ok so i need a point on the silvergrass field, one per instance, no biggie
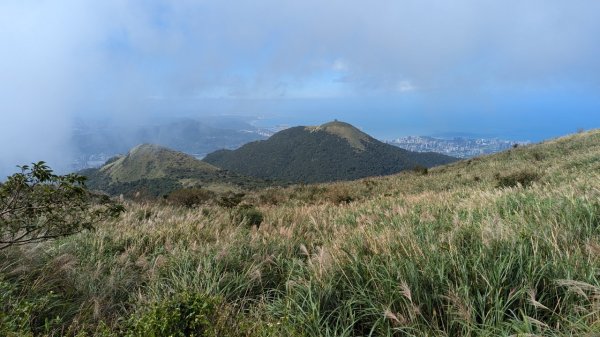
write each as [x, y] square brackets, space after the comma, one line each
[500, 245]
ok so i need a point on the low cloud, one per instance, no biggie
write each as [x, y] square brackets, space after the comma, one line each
[75, 58]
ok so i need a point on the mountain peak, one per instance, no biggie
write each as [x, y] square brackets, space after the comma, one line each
[151, 161]
[329, 152]
[147, 148]
[154, 170]
[354, 136]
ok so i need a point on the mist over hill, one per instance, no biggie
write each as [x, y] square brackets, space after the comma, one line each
[95, 142]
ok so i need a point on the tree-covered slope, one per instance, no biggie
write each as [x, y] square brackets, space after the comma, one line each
[330, 152]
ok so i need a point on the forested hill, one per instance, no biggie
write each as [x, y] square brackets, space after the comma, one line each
[330, 152]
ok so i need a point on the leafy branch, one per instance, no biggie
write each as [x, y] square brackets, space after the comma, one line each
[38, 205]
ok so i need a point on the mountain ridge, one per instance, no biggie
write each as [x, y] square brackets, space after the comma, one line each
[155, 170]
[145, 156]
[333, 151]
[347, 131]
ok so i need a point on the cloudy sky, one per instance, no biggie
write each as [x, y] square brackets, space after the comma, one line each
[512, 68]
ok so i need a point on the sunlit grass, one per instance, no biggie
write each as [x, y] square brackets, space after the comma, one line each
[450, 253]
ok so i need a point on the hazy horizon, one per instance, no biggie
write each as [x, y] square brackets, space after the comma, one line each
[515, 70]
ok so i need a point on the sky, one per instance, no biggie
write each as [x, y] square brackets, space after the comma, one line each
[514, 69]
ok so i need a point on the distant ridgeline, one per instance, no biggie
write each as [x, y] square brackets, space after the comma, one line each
[330, 152]
[95, 145]
[152, 171]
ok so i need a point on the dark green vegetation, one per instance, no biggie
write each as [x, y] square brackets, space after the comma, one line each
[330, 152]
[503, 245]
[149, 171]
[334, 151]
[37, 205]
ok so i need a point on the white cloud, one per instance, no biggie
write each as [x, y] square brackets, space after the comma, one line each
[339, 65]
[58, 55]
[405, 86]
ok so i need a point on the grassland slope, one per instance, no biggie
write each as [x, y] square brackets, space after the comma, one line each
[151, 162]
[502, 245]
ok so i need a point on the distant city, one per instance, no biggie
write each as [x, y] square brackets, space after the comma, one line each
[457, 147]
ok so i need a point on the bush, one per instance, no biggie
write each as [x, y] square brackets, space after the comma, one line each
[271, 196]
[248, 215]
[524, 178]
[230, 200]
[308, 193]
[25, 316]
[190, 197]
[37, 205]
[339, 195]
[420, 169]
[538, 156]
[183, 315]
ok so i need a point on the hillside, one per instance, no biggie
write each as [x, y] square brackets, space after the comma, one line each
[501, 245]
[154, 170]
[330, 152]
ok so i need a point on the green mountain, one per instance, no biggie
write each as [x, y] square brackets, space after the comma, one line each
[330, 152]
[153, 170]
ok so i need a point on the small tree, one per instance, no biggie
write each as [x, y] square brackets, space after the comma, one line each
[37, 205]
[420, 169]
[230, 200]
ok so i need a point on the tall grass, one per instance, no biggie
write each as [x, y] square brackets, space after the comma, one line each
[450, 253]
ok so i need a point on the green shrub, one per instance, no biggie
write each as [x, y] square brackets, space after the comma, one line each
[37, 205]
[524, 178]
[248, 215]
[230, 200]
[185, 315]
[420, 169]
[21, 316]
[190, 197]
[538, 156]
[308, 193]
